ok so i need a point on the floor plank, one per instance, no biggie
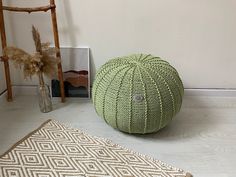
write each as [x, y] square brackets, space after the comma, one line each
[201, 139]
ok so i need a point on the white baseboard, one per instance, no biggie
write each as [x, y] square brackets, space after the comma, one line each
[32, 90]
[211, 92]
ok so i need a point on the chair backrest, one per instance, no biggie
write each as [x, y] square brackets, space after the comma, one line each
[4, 58]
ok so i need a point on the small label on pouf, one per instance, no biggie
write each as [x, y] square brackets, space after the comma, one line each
[138, 98]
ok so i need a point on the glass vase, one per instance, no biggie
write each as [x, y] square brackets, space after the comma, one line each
[44, 98]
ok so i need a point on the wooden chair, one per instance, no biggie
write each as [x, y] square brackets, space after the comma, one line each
[4, 58]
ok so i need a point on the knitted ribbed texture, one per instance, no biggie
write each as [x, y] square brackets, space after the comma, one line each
[137, 93]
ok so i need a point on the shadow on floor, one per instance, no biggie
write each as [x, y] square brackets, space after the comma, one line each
[188, 123]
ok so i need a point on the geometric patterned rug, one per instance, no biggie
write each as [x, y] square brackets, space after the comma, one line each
[55, 150]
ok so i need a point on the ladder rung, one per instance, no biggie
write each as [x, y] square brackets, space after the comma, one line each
[29, 10]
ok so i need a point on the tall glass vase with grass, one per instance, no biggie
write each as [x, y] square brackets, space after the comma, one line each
[42, 63]
[44, 96]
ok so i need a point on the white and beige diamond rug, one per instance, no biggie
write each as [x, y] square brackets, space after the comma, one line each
[55, 150]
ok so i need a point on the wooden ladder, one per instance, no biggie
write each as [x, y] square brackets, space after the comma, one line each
[4, 58]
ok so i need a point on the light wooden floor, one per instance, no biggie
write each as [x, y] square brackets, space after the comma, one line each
[201, 140]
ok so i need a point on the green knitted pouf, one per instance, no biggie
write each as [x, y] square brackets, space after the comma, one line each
[137, 93]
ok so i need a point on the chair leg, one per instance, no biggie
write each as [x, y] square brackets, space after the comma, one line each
[57, 44]
[8, 80]
[5, 58]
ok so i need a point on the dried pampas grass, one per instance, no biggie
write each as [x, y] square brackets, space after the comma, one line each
[44, 61]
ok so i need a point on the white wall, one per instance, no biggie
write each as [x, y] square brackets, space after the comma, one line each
[197, 37]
